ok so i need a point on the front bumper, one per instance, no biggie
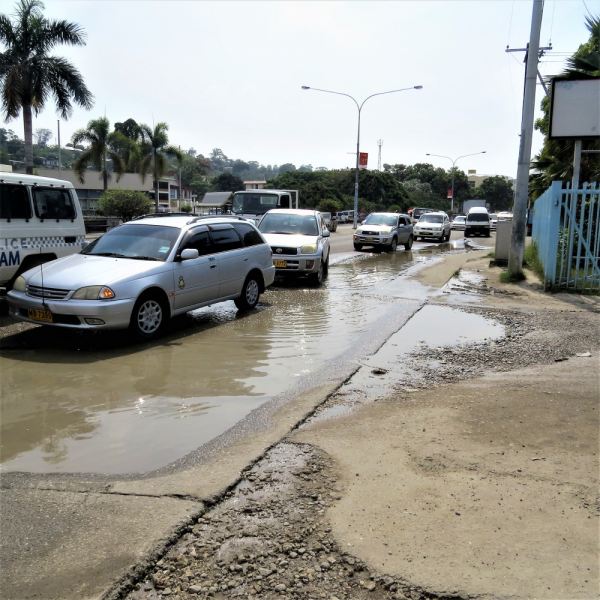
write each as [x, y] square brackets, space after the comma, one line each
[300, 264]
[115, 314]
[435, 234]
[373, 240]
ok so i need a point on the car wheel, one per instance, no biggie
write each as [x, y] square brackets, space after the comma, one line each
[409, 244]
[317, 278]
[326, 268]
[250, 294]
[448, 236]
[394, 244]
[149, 316]
[358, 247]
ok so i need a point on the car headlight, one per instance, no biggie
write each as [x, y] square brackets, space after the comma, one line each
[308, 249]
[386, 231]
[93, 292]
[20, 284]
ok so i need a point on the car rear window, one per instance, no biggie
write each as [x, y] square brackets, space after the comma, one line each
[478, 217]
[250, 236]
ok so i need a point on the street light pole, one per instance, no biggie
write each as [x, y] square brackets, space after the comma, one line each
[453, 164]
[359, 107]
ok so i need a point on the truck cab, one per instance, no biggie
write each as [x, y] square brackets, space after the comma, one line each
[253, 204]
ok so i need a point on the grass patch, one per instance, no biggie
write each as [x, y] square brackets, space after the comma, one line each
[491, 254]
[506, 277]
[533, 262]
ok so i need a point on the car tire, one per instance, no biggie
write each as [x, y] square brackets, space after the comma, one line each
[326, 268]
[316, 279]
[250, 294]
[394, 245]
[358, 247]
[409, 243]
[149, 316]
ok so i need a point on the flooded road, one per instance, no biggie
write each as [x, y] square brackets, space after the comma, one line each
[98, 404]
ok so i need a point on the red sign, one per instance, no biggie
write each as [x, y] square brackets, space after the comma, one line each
[449, 194]
[362, 160]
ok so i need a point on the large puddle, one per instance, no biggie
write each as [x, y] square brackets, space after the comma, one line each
[74, 403]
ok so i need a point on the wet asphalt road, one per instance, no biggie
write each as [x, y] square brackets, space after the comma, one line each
[99, 404]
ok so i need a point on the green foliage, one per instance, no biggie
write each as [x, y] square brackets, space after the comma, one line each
[42, 137]
[125, 204]
[428, 200]
[330, 206]
[394, 208]
[286, 167]
[30, 74]
[186, 208]
[498, 192]
[506, 277]
[533, 261]
[227, 182]
[101, 147]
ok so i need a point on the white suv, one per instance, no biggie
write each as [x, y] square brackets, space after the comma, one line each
[144, 272]
[300, 242]
[433, 226]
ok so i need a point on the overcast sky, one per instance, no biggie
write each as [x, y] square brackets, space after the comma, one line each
[229, 74]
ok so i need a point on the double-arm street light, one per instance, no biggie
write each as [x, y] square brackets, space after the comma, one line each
[305, 87]
[453, 163]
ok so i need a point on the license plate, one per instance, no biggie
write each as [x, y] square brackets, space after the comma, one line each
[36, 314]
[425, 232]
[368, 239]
[280, 264]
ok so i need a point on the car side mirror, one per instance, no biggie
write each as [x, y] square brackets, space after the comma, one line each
[326, 233]
[189, 254]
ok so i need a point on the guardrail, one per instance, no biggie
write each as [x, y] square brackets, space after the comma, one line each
[566, 229]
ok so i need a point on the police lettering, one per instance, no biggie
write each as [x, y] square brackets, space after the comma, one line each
[10, 259]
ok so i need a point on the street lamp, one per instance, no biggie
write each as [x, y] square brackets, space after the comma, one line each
[453, 163]
[359, 107]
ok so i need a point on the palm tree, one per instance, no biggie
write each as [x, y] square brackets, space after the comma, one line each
[155, 150]
[29, 76]
[101, 146]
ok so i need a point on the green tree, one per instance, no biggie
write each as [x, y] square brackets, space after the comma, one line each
[100, 149]
[42, 137]
[130, 129]
[154, 153]
[498, 192]
[125, 204]
[287, 167]
[186, 208]
[29, 75]
[227, 182]
[555, 160]
[330, 206]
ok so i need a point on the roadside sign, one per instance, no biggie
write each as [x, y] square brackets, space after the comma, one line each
[449, 194]
[362, 160]
[472, 171]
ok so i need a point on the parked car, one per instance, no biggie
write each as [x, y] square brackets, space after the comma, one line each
[478, 221]
[493, 221]
[345, 216]
[433, 225]
[385, 231]
[299, 241]
[141, 274]
[505, 216]
[41, 220]
[459, 222]
[330, 221]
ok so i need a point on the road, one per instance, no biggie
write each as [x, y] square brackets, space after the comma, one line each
[96, 430]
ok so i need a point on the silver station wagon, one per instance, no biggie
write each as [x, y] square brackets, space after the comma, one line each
[141, 274]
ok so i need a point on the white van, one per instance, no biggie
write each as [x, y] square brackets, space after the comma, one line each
[40, 220]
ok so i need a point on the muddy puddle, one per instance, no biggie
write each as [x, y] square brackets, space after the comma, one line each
[434, 326]
[99, 404]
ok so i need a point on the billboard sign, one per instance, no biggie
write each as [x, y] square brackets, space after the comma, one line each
[363, 158]
[472, 171]
[449, 194]
[575, 109]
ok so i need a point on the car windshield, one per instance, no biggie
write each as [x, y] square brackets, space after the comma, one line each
[254, 204]
[381, 220]
[478, 217]
[420, 211]
[493, 217]
[459, 220]
[431, 219]
[142, 242]
[289, 224]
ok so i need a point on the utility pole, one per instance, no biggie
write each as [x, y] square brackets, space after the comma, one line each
[59, 159]
[517, 240]
[379, 143]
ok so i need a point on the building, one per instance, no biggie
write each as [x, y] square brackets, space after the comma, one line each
[476, 180]
[214, 203]
[254, 185]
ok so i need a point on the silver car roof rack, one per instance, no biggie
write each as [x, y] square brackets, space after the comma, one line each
[192, 220]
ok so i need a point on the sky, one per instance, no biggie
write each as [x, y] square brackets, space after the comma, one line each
[229, 74]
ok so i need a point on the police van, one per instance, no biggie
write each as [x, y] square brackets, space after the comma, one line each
[40, 220]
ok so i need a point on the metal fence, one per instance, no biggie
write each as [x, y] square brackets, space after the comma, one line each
[566, 229]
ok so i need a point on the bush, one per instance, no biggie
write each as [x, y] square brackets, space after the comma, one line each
[532, 260]
[394, 208]
[329, 206]
[125, 204]
[186, 208]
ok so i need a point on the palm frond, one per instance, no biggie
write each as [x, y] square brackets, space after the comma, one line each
[80, 165]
